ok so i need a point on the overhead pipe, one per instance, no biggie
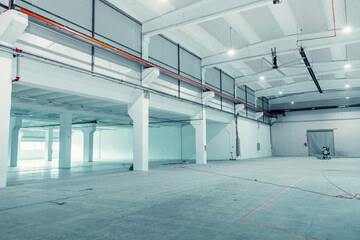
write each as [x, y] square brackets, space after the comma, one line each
[331, 36]
[149, 64]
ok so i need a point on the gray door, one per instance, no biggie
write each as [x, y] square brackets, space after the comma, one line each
[317, 139]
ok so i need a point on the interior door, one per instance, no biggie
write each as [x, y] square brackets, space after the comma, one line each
[317, 139]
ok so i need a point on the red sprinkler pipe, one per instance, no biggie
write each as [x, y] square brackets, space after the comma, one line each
[334, 35]
[135, 58]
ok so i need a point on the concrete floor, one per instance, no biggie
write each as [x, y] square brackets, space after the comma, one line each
[186, 201]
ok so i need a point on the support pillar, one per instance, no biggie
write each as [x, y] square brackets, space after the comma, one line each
[139, 113]
[49, 137]
[145, 47]
[14, 149]
[199, 123]
[88, 134]
[65, 141]
[6, 61]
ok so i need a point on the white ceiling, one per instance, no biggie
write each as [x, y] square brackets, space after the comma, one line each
[203, 27]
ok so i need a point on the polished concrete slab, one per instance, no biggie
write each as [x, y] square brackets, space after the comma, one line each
[246, 199]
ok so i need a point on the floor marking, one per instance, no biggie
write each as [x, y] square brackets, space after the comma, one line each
[282, 230]
[270, 200]
[246, 218]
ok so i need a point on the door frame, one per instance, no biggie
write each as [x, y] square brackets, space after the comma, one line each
[320, 130]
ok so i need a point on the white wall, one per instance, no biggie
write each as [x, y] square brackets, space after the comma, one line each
[251, 133]
[289, 132]
[117, 144]
[220, 144]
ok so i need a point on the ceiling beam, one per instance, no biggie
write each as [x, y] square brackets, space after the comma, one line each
[285, 18]
[309, 87]
[243, 28]
[199, 12]
[315, 96]
[284, 45]
[319, 69]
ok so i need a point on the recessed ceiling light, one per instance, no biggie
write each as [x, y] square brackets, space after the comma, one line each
[347, 85]
[231, 52]
[347, 66]
[262, 78]
[280, 92]
[347, 97]
[347, 29]
[292, 102]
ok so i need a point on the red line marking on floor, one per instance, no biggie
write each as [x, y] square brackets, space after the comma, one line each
[246, 218]
[271, 199]
[282, 230]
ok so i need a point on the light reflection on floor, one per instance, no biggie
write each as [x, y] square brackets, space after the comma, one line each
[40, 170]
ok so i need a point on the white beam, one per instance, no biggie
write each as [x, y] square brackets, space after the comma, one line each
[42, 107]
[149, 75]
[65, 140]
[315, 96]
[207, 96]
[45, 76]
[259, 115]
[285, 18]
[209, 10]
[319, 69]
[243, 28]
[283, 45]
[309, 86]
[239, 108]
[139, 112]
[12, 25]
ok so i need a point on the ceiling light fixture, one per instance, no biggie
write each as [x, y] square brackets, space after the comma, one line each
[231, 50]
[347, 29]
[292, 102]
[262, 78]
[347, 85]
[280, 92]
[347, 97]
[347, 66]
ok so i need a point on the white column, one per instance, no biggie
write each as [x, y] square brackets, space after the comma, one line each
[203, 75]
[65, 141]
[5, 96]
[17, 122]
[199, 123]
[145, 47]
[88, 134]
[231, 129]
[139, 113]
[49, 137]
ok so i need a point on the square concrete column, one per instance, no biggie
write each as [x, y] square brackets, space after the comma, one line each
[145, 47]
[6, 61]
[88, 134]
[49, 138]
[65, 141]
[199, 123]
[14, 143]
[139, 113]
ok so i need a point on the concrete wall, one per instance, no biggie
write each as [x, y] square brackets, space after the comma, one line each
[220, 146]
[218, 142]
[251, 133]
[117, 144]
[289, 132]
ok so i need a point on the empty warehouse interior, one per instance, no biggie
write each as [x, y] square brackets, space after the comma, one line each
[179, 119]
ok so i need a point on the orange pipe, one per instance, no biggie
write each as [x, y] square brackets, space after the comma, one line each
[334, 35]
[136, 58]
